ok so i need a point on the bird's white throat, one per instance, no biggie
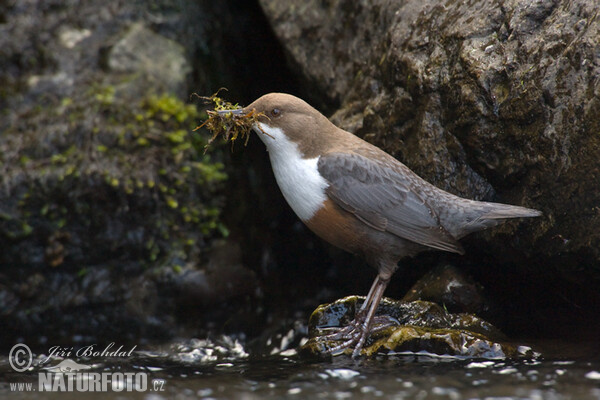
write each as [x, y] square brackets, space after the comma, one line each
[298, 178]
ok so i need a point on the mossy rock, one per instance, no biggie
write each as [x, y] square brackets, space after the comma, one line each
[119, 178]
[102, 196]
[424, 327]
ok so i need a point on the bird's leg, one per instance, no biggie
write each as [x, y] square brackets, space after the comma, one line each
[357, 331]
[373, 300]
[348, 331]
[365, 304]
[382, 321]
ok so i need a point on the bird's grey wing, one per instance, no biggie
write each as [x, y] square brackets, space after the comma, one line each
[385, 198]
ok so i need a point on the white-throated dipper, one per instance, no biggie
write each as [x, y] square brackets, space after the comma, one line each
[361, 199]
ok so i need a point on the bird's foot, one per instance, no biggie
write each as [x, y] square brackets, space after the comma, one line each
[356, 333]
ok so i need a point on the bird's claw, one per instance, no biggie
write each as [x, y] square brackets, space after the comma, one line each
[356, 333]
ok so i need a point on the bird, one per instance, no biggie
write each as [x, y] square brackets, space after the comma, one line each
[361, 199]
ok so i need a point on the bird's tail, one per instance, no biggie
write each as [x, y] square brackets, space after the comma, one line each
[483, 215]
[504, 211]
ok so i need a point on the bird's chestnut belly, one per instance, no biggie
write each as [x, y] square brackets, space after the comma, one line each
[338, 227]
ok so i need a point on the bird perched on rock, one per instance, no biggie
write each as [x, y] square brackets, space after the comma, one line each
[361, 199]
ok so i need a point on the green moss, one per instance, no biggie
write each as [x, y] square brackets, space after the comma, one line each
[210, 172]
[178, 269]
[105, 95]
[171, 202]
[178, 136]
[167, 107]
[23, 160]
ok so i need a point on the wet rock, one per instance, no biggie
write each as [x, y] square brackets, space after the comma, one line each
[448, 286]
[420, 327]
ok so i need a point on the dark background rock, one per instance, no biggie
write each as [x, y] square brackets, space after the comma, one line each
[449, 287]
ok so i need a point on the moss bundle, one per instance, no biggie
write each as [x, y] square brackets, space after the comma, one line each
[228, 120]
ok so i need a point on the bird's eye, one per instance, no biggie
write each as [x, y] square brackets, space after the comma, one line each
[276, 112]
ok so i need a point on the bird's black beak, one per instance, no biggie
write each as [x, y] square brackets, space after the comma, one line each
[239, 111]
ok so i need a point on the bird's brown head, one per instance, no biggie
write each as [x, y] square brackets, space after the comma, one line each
[296, 119]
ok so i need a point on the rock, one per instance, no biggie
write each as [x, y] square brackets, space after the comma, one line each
[156, 61]
[421, 327]
[449, 287]
[104, 189]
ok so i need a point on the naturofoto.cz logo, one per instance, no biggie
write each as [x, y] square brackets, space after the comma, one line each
[70, 376]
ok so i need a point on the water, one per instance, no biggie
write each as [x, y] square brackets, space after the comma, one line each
[203, 369]
[406, 377]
